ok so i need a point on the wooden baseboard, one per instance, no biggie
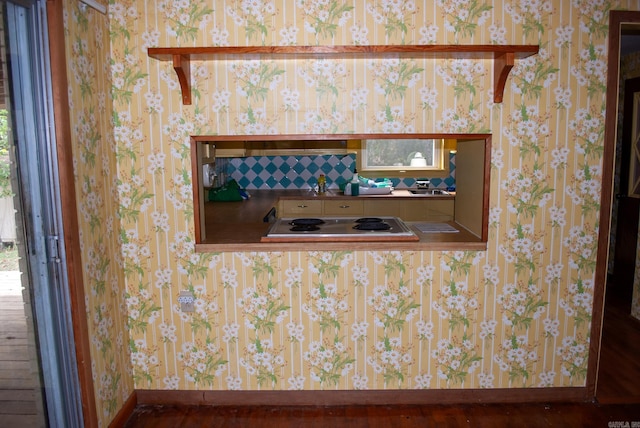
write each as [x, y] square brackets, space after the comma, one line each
[126, 411]
[355, 398]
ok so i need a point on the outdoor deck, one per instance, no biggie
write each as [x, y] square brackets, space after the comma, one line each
[18, 383]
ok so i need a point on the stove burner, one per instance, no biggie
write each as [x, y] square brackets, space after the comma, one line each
[369, 220]
[304, 227]
[373, 225]
[306, 222]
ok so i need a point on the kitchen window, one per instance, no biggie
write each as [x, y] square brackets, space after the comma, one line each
[402, 154]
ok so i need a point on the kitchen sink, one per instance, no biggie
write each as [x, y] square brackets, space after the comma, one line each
[428, 192]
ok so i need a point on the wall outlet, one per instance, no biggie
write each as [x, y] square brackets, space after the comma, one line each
[186, 301]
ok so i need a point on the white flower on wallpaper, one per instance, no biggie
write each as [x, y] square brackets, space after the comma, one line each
[155, 102]
[498, 34]
[396, 16]
[323, 121]
[520, 304]
[564, 36]
[553, 273]
[295, 332]
[183, 19]
[263, 361]
[490, 274]
[460, 120]
[220, 101]
[424, 330]
[156, 162]
[546, 379]
[254, 121]
[293, 277]
[329, 361]
[288, 36]
[168, 76]
[527, 191]
[583, 188]
[233, 383]
[163, 278]
[359, 331]
[290, 99]
[428, 34]
[578, 301]
[201, 365]
[150, 39]
[392, 120]
[528, 130]
[573, 354]
[530, 14]
[591, 69]
[425, 275]
[485, 380]
[559, 157]
[168, 332]
[530, 76]
[516, 356]
[455, 359]
[429, 97]
[171, 382]
[254, 16]
[464, 16]
[323, 17]
[327, 77]
[296, 383]
[487, 329]
[463, 75]
[219, 36]
[551, 327]
[391, 359]
[588, 130]
[359, 35]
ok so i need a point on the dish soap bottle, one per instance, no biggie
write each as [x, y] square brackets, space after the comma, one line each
[355, 183]
[322, 184]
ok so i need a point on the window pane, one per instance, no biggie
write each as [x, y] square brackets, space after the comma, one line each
[398, 153]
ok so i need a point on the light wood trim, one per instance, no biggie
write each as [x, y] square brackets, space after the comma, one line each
[355, 398]
[182, 67]
[198, 197]
[69, 211]
[502, 55]
[616, 19]
[502, 65]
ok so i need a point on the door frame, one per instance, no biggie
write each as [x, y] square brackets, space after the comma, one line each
[68, 208]
[616, 20]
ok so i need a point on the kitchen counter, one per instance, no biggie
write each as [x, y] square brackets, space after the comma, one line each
[335, 194]
[238, 226]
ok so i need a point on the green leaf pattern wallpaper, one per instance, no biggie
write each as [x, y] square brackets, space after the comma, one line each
[514, 316]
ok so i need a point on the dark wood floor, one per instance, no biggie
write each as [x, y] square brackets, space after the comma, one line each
[522, 415]
[619, 371]
[618, 400]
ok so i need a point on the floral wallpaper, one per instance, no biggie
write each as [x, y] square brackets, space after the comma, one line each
[87, 45]
[517, 315]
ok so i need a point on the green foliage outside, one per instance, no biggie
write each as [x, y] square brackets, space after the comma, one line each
[5, 169]
[397, 152]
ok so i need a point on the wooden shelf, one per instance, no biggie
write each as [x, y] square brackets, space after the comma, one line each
[503, 57]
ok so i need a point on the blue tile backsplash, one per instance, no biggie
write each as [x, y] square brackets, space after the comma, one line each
[302, 172]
